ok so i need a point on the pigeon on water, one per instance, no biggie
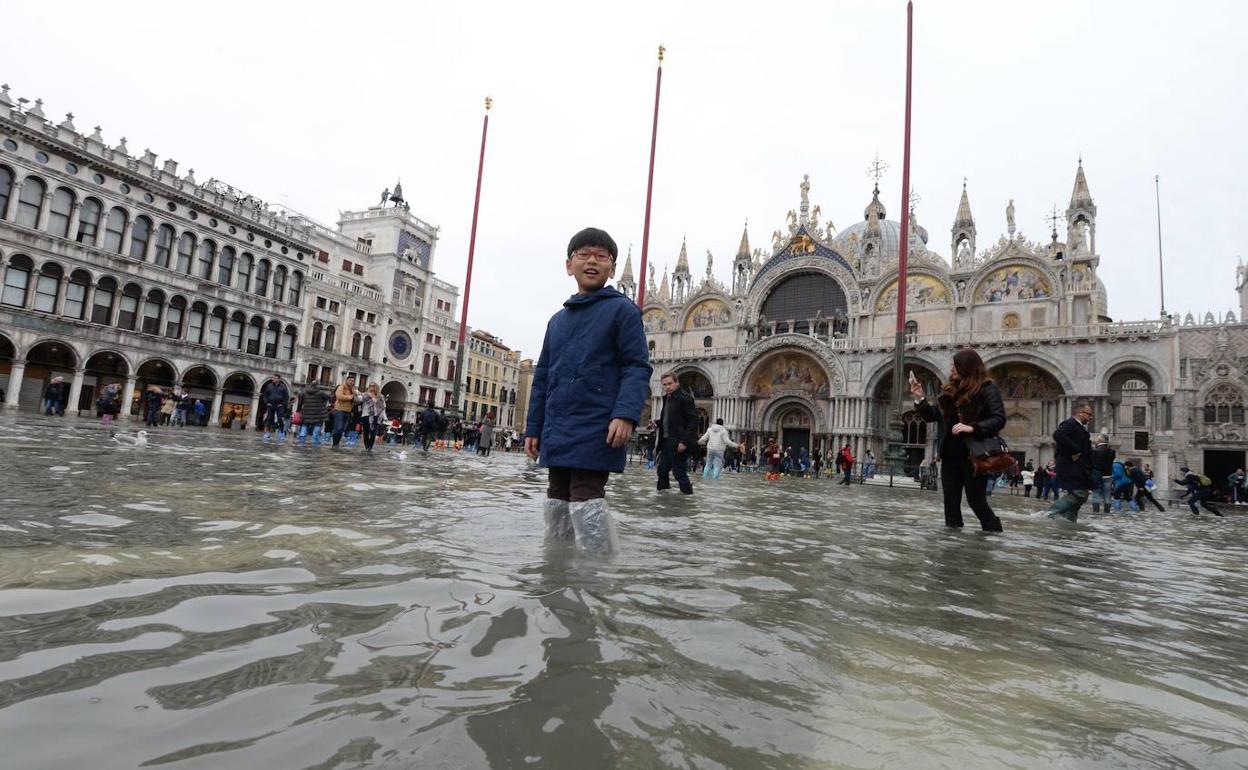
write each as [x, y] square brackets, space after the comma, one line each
[125, 439]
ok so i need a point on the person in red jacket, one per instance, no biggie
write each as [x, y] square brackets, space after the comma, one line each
[846, 463]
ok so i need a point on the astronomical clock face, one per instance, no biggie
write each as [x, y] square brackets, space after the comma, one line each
[400, 344]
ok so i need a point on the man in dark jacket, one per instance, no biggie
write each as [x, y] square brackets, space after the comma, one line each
[429, 425]
[54, 397]
[677, 432]
[1103, 456]
[1073, 450]
[313, 412]
[1142, 492]
[1199, 491]
[276, 398]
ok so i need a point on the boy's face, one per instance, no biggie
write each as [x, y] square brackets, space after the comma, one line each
[591, 267]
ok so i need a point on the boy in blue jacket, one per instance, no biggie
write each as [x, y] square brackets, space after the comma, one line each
[589, 385]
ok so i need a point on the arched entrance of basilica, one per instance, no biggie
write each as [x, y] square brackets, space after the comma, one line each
[789, 393]
[1033, 408]
[795, 425]
[918, 442]
[697, 384]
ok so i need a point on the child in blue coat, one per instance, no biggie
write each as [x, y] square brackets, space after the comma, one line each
[589, 386]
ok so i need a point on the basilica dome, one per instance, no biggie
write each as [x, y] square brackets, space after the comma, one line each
[846, 241]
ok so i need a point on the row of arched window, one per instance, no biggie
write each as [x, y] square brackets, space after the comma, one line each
[325, 337]
[106, 303]
[143, 240]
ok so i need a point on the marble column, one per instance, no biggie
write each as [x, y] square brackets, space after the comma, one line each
[62, 285]
[88, 302]
[214, 416]
[16, 374]
[253, 415]
[45, 207]
[126, 237]
[74, 217]
[75, 392]
[127, 398]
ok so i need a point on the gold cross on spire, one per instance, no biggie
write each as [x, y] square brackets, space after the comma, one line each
[1053, 218]
[877, 169]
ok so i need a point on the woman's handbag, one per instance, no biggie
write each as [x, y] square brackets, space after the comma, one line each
[990, 455]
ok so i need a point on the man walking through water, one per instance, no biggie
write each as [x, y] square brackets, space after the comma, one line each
[1073, 448]
[677, 429]
[716, 440]
[345, 398]
[276, 398]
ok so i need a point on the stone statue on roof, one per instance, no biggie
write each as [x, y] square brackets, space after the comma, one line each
[385, 196]
[1009, 217]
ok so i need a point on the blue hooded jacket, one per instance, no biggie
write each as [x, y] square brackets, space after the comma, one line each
[594, 367]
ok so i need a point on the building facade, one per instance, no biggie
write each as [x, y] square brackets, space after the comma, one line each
[117, 268]
[799, 345]
[491, 380]
[376, 309]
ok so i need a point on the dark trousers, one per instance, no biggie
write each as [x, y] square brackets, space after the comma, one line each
[576, 485]
[673, 462]
[341, 421]
[955, 476]
[369, 426]
[848, 468]
[153, 414]
[1143, 494]
[1201, 497]
[275, 416]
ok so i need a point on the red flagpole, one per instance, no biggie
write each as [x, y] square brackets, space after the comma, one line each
[645, 230]
[904, 248]
[899, 387]
[472, 246]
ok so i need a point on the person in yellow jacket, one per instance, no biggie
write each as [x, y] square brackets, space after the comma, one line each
[345, 398]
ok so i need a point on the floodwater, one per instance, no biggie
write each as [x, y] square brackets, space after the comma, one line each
[212, 602]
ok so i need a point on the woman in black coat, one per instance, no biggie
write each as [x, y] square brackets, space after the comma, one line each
[969, 405]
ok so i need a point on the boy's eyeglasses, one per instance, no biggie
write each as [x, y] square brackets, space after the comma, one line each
[585, 256]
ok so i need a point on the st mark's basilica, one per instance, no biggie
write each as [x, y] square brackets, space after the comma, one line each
[800, 346]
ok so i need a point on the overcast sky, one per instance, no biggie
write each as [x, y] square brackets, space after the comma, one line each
[321, 105]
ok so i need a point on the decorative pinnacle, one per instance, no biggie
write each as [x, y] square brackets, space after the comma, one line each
[488, 103]
[877, 169]
[662, 50]
[1052, 219]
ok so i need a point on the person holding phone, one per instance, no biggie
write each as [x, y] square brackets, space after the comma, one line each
[969, 405]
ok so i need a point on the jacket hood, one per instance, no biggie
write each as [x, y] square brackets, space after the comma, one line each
[606, 292]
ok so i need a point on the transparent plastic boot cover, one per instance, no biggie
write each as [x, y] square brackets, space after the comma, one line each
[558, 523]
[595, 531]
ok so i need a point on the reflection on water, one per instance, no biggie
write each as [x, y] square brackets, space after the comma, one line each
[210, 602]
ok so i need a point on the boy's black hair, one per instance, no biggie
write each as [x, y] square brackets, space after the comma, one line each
[593, 237]
[719, 420]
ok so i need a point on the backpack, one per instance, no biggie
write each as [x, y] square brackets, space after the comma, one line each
[1204, 480]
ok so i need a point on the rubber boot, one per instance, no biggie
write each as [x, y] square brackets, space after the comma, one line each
[558, 523]
[595, 531]
[663, 484]
[1096, 508]
[686, 488]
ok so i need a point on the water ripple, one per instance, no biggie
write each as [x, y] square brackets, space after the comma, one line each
[210, 601]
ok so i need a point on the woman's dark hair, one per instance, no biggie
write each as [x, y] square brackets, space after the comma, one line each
[972, 374]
